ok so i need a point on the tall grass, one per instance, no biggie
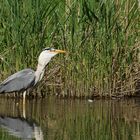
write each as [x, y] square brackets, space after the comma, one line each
[101, 38]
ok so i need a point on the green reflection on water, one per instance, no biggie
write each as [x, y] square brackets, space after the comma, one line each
[58, 119]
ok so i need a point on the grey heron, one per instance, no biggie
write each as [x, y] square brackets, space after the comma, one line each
[26, 78]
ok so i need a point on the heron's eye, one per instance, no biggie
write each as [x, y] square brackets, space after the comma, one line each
[52, 50]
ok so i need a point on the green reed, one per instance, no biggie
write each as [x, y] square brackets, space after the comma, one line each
[101, 38]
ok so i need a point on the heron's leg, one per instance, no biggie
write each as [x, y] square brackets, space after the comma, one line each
[24, 105]
[24, 96]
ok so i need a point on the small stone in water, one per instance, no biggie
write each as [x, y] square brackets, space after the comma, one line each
[89, 100]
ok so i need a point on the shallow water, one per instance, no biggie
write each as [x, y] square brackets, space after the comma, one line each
[59, 119]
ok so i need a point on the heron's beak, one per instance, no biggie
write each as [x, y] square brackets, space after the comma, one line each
[60, 51]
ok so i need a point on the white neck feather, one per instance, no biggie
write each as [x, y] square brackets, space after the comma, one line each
[39, 73]
[43, 60]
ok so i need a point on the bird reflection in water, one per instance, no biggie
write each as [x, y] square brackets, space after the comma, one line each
[21, 128]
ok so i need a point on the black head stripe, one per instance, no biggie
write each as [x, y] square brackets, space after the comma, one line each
[51, 49]
[46, 49]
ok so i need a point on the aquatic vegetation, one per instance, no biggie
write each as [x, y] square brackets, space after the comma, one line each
[57, 119]
[101, 38]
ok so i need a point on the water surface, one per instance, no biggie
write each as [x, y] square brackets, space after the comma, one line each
[61, 119]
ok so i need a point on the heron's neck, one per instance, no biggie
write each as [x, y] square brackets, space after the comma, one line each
[39, 72]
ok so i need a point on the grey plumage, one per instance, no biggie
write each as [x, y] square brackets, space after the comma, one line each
[19, 81]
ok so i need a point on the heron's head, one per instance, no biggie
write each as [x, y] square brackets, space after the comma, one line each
[46, 55]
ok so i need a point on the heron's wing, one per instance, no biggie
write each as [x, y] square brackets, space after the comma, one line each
[18, 81]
